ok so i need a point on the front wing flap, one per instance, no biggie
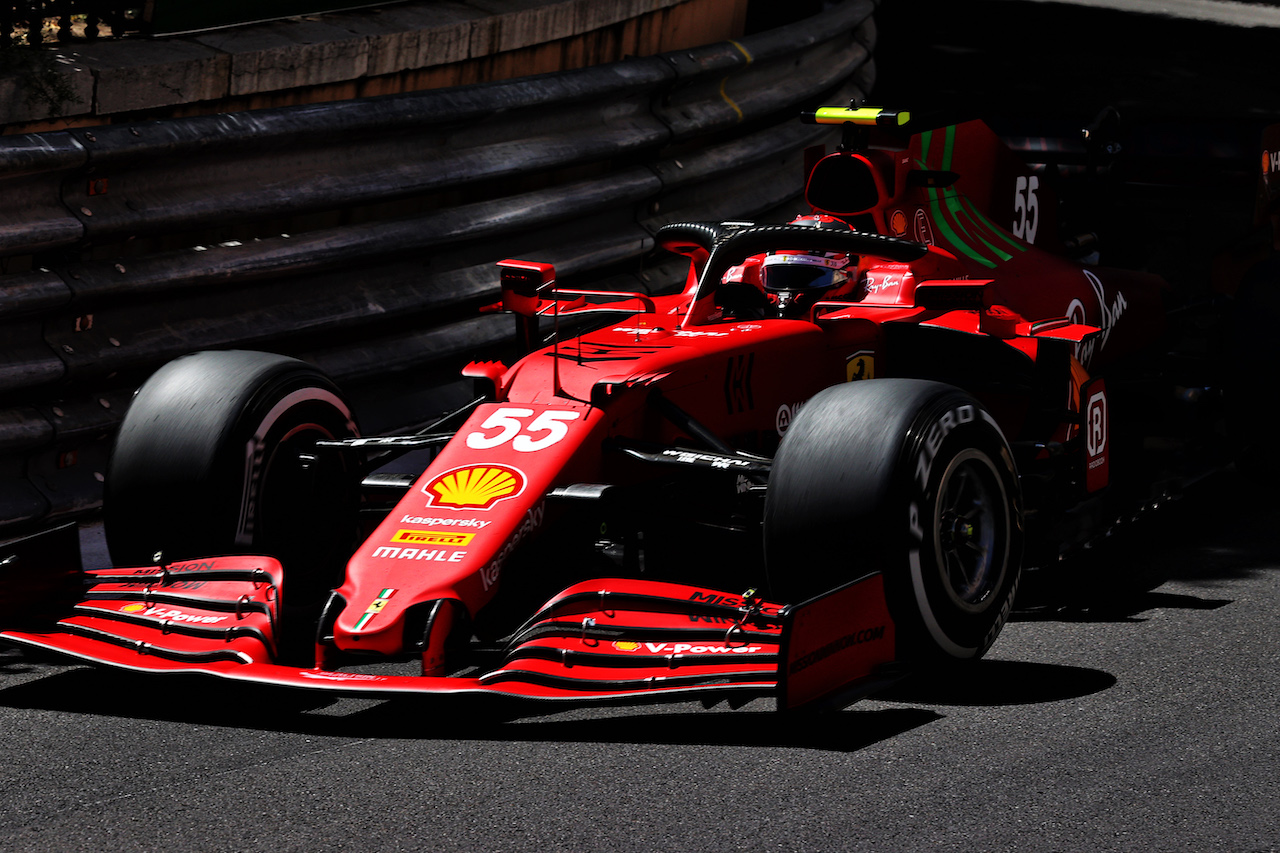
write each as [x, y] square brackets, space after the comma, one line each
[602, 641]
[165, 618]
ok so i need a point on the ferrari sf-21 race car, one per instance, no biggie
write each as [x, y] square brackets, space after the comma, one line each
[823, 462]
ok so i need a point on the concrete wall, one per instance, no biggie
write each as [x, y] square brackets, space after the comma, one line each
[417, 45]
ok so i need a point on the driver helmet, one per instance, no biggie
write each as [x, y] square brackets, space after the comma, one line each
[786, 271]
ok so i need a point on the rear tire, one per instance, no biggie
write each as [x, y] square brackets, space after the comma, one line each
[208, 462]
[912, 478]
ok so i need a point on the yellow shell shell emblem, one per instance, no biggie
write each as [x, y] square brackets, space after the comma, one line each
[475, 486]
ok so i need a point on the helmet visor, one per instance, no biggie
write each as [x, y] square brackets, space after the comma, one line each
[801, 272]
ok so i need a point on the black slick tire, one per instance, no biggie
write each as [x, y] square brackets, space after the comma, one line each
[915, 479]
[211, 459]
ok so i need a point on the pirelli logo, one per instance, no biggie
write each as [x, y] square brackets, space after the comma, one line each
[433, 537]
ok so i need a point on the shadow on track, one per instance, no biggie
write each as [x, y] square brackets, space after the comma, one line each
[1219, 531]
[201, 701]
[1000, 682]
[193, 700]
[845, 731]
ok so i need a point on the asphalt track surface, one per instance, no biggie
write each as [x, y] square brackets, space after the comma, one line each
[1136, 712]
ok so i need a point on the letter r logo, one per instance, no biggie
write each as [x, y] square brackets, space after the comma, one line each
[1096, 424]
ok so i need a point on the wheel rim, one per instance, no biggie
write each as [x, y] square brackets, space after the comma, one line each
[971, 518]
[272, 452]
[297, 514]
[285, 476]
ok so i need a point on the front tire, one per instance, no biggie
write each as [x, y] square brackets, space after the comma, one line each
[210, 460]
[915, 479]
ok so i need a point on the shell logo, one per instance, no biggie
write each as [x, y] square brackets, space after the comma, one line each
[898, 223]
[475, 486]
[626, 646]
[133, 608]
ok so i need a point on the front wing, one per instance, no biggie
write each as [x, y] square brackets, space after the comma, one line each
[612, 640]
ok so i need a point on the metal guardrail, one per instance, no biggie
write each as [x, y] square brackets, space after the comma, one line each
[415, 196]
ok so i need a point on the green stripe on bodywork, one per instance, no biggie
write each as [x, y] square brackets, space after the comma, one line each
[960, 208]
[936, 196]
[940, 220]
[955, 240]
[995, 229]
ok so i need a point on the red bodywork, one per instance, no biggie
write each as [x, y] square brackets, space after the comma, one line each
[989, 275]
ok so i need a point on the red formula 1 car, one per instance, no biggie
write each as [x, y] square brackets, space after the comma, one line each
[827, 458]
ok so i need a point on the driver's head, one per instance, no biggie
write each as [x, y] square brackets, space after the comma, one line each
[804, 272]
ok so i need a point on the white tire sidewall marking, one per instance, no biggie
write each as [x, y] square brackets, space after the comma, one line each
[255, 451]
[923, 606]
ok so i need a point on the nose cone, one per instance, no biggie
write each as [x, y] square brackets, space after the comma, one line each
[373, 622]
[451, 535]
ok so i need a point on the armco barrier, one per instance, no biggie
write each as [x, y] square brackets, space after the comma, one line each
[365, 232]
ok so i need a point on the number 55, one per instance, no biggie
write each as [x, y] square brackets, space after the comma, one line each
[1026, 208]
[511, 427]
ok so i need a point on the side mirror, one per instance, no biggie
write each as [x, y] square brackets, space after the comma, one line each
[846, 184]
[521, 283]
